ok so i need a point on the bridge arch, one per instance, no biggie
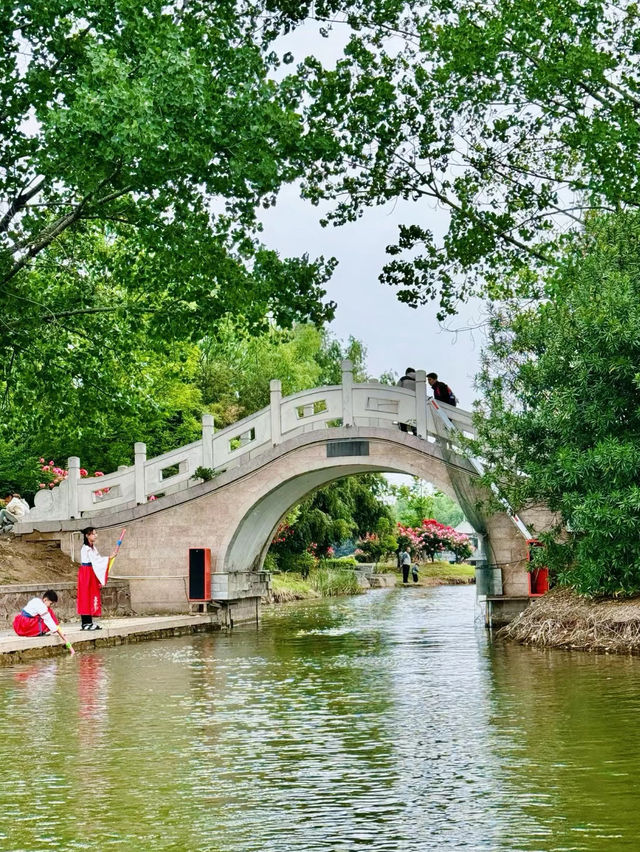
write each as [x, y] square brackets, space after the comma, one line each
[264, 464]
[307, 466]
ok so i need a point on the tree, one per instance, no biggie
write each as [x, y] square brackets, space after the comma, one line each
[561, 420]
[136, 142]
[433, 538]
[345, 509]
[236, 367]
[515, 118]
[413, 506]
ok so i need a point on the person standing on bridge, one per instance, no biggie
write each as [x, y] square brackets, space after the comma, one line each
[441, 391]
[92, 576]
[408, 381]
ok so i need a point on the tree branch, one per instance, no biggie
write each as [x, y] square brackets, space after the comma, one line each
[18, 203]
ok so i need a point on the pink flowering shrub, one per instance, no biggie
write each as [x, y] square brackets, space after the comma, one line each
[283, 532]
[53, 475]
[432, 537]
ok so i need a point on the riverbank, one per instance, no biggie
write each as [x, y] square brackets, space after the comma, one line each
[320, 583]
[563, 619]
[114, 631]
[33, 562]
[291, 586]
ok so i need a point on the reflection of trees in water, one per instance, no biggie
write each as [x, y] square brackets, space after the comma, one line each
[565, 728]
[292, 718]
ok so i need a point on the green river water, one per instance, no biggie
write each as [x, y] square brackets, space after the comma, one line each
[386, 721]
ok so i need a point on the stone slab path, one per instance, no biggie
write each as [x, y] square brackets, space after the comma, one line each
[115, 631]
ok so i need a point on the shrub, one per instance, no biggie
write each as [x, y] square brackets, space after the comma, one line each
[302, 562]
[271, 563]
[205, 473]
[337, 564]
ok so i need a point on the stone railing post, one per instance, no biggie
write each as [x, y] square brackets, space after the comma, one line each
[421, 403]
[207, 440]
[73, 477]
[275, 390]
[347, 393]
[140, 457]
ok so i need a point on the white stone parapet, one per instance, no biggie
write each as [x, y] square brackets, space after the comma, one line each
[368, 404]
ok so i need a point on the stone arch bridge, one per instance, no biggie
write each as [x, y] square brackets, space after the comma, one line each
[263, 465]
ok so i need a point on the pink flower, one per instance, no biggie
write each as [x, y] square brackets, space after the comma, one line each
[52, 462]
[41, 461]
[52, 485]
[46, 468]
[42, 485]
[98, 473]
[83, 472]
[153, 497]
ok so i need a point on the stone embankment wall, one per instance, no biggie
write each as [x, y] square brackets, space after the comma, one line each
[116, 600]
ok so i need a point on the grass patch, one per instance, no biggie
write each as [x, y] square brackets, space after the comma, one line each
[445, 571]
[321, 583]
[432, 573]
[289, 586]
[330, 583]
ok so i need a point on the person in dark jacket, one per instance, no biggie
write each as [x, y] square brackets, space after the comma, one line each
[408, 380]
[441, 391]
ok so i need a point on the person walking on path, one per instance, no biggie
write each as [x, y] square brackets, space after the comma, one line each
[441, 391]
[92, 576]
[38, 619]
[406, 565]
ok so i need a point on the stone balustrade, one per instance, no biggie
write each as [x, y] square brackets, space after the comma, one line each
[349, 404]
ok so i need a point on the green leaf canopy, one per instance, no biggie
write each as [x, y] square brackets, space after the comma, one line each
[502, 122]
[562, 404]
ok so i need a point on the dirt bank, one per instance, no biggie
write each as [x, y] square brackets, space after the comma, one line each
[562, 619]
[23, 562]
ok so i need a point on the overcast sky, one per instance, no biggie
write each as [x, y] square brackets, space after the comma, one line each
[395, 335]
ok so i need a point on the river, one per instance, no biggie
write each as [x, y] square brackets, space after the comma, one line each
[386, 722]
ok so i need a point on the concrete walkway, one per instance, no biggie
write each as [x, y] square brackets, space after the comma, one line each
[115, 631]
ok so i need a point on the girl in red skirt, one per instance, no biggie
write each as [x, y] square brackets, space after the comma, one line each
[92, 576]
[36, 618]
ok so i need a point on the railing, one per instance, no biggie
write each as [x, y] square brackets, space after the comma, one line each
[347, 404]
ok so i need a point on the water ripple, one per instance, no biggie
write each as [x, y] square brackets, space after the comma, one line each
[384, 722]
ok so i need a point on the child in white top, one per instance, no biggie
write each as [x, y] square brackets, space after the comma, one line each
[37, 618]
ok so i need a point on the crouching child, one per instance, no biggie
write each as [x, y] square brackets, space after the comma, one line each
[38, 619]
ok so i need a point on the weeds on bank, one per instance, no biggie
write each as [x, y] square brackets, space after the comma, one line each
[320, 583]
